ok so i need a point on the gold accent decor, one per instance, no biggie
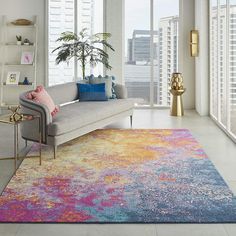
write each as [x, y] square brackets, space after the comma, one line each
[194, 43]
[177, 81]
[21, 22]
[15, 116]
[177, 89]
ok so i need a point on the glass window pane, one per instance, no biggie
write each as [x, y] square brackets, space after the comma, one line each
[232, 66]
[214, 57]
[90, 16]
[222, 60]
[137, 53]
[166, 25]
[60, 19]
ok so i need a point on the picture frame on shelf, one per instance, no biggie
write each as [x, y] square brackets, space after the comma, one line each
[27, 58]
[13, 78]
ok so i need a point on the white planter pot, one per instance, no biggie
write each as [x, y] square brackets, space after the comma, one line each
[18, 42]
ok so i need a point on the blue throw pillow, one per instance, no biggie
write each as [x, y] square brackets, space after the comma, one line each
[92, 92]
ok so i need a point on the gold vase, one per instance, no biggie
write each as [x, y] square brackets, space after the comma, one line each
[177, 89]
[177, 81]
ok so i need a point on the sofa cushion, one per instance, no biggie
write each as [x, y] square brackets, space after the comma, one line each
[92, 92]
[79, 114]
[108, 82]
[41, 96]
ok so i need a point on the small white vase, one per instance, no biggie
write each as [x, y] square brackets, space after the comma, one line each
[18, 42]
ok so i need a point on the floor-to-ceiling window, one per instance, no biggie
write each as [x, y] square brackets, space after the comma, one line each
[71, 15]
[151, 37]
[60, 19]
[223, 63]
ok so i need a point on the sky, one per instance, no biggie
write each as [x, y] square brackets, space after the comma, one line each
[137, 14]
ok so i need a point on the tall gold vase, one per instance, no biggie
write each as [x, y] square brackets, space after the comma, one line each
[177, 89]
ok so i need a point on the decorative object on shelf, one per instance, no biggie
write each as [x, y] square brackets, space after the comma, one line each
[26, 81]
[18, 39]
[13, 78]
[16, 115]
[26, 42]
[9, 94]
[177, 89]
[27, 58]
[87, 49]
[21, 22]
[194, 43]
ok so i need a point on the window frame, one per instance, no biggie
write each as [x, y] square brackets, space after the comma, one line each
[152, 104]
[217, 118]
[75, 77]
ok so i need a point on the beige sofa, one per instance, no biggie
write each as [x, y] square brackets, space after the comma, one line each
[74, 118]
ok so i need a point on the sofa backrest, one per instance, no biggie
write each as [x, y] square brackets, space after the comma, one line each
[63, 93]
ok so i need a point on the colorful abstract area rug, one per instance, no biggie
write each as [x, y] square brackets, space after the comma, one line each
[121, 176]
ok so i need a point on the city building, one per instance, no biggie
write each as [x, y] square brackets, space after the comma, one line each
[86, 15]
[168, 57]
[61, 19]
[139, 47]
[137, 70]
[221, 38]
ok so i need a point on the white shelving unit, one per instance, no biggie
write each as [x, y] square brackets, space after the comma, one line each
[10, 59]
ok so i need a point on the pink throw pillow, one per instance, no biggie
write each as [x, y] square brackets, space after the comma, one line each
[40, 95]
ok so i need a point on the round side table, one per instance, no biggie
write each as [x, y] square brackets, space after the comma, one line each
[6, 119]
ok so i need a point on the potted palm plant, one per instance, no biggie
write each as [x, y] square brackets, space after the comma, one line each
[85, 48]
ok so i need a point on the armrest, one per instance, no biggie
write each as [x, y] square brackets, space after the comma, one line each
[34, 108]
[120, 91]
[30, 130]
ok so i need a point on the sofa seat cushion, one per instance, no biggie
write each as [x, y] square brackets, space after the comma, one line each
[76, 115]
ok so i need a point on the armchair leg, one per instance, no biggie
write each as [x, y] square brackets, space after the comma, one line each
[26, 142]
[55, 151]
[131, 121]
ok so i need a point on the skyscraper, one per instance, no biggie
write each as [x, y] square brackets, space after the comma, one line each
[139, 47]
[61, 19]
[86, 15]
[223, 74]
[232, 66]
[165, 61]
[168, 57]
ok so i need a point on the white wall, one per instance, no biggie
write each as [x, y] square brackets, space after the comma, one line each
[186, 62]
[15, 9]
[114, 24]
[202, 65]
